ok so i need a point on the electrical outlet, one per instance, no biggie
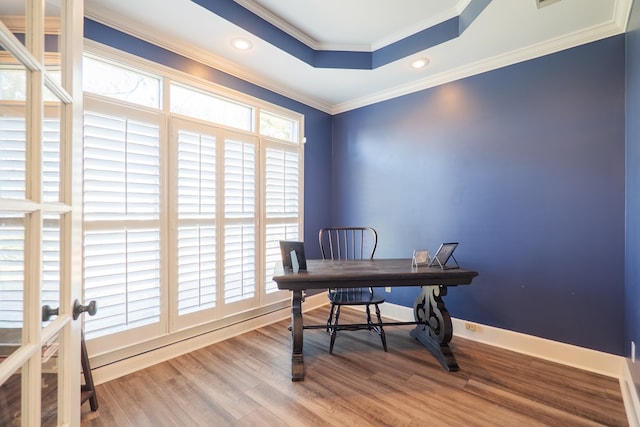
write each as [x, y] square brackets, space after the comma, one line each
[387, 289]
[470, 326]
[633, 351]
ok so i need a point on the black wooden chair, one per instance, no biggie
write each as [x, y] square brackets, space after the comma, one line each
[351, 243]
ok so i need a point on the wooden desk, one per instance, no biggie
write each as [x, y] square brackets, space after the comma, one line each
[433, 322]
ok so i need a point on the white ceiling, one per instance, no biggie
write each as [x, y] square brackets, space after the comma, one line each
[506, 32]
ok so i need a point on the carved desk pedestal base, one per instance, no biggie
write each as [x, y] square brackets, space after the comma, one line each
[433, 325]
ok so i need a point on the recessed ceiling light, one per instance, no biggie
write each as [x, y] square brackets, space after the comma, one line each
[420, 63]
[241, 44]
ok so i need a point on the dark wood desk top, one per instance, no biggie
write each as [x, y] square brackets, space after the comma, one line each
[322, 274]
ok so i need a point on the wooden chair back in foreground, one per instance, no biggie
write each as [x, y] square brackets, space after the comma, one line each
[351, 243]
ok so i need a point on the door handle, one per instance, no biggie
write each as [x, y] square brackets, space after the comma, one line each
[47, 312]
[78, 309]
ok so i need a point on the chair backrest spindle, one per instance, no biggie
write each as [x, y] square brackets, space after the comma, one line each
[344, 243]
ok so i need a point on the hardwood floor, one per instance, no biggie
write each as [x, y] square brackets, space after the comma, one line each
[245, 381]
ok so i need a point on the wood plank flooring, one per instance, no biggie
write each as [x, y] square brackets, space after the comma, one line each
[245, 381]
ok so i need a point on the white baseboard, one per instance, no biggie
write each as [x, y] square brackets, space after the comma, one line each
[630, 397]
[132, 364]
[571, 355]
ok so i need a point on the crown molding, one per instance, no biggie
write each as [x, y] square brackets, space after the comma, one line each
[280, 23]
[535, 51]
[314, 44]
[207, 58]
[621, 13]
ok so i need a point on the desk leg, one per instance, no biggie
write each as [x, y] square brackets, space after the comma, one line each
[434, 330]
[297, 359]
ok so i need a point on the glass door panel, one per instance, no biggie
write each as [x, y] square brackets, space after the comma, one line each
[51, 150]
[50, 300]
[12, 235]
[11, 390]
[52, 34]
[49, 394]
[10, 404]
[53, 104]
[13, 89]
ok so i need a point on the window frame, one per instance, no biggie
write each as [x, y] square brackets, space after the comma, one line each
[104, 343]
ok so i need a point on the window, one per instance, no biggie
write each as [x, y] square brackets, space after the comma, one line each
[194, 103]
[118, 82]
[184, 206]
[121, 218]
[278, 127]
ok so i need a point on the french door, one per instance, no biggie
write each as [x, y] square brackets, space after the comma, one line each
[40, 211]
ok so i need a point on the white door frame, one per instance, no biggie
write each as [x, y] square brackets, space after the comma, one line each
[33, 208]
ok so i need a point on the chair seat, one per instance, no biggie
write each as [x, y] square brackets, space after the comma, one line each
[354, 297]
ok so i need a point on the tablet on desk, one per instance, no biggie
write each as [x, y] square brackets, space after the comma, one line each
[445, 252]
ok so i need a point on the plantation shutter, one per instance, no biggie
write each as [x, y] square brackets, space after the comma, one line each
[240, 245]
[282, 203]
[121, 214]
[196, 241]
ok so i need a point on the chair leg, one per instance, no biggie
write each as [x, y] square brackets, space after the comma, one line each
[334, 330]
[369, 327]
[330, 318]
[382, 337]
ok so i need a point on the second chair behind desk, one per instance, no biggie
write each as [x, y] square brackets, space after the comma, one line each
[345, 243]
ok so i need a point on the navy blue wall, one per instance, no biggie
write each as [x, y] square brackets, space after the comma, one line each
[317, 123]
[632, 293]
[524, 166]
